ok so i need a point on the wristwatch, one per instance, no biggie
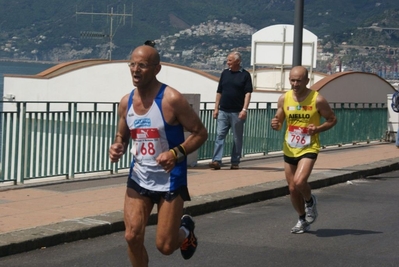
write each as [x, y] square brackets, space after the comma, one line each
[244, 110]
[179, 155]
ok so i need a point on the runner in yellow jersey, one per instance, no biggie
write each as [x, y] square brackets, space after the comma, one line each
[302, 109]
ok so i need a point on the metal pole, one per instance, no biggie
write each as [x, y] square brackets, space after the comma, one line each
[111, 15]
[110, 34]
[298, 31]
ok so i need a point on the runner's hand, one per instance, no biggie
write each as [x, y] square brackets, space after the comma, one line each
[116, 152]
[275, 124]
[312, 129]
[167, 160]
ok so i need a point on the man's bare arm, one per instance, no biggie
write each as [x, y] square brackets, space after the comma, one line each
[278, 120]
[247, 100]
[327, 113]
[122, 136]
[191, 122]
[217, 102]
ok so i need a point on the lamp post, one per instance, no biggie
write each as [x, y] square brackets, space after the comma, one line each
[298, 32]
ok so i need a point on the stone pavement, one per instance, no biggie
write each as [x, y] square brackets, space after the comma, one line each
[46, 214]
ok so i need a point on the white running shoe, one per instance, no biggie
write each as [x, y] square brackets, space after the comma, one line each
[300, 227]
[311, 212]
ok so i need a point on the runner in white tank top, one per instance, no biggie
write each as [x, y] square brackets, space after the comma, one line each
[152, 135]
[154, 116]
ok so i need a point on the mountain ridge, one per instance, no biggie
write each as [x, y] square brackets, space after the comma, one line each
[50, 30]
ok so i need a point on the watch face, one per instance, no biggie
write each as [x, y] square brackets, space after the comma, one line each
[180, 156]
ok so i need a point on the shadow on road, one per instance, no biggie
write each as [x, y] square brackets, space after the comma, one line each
[341, 232]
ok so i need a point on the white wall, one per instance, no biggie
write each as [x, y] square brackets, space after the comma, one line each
[355, 87]
[106, 82]
[109, 81]
[273, 46]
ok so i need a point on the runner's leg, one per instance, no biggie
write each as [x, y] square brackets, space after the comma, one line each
[137, 210]
[297, 179]
[169, 235]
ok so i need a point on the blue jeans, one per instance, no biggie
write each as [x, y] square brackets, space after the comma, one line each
[225, 121]
[397, 138]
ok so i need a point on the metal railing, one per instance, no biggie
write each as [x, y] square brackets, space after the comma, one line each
[357, 122]
[50, 139]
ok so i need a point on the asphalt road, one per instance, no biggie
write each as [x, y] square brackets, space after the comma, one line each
[357, 226]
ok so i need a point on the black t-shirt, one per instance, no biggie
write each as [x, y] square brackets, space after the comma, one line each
[234, 85]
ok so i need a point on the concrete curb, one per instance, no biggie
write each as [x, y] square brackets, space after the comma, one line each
[90, 227]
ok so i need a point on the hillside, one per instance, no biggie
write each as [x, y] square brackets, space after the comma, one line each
[51, 30]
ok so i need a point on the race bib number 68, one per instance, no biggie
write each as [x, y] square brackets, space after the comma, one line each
[147, 145]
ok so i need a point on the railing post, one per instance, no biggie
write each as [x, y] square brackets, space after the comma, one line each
[268, 137]
[68, 132]
[17, 156]
[94, 135]
[72, 145]
[113, 125]
[24, 138]
[46, 134]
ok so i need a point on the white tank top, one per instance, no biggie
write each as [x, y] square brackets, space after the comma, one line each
[152, 136]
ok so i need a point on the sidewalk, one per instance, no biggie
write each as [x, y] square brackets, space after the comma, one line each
[35, 216]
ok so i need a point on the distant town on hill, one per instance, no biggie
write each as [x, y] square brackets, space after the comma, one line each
[357, 35]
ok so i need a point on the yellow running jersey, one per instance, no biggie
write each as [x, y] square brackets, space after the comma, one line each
[298, 116]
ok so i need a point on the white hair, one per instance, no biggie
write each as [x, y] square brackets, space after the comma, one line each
[237, 55]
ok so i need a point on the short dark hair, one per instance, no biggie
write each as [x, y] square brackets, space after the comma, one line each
[150, 43]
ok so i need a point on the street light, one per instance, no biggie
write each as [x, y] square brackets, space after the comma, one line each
[298, 31]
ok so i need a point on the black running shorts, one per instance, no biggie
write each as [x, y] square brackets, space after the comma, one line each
[294, 160]
[156, 196]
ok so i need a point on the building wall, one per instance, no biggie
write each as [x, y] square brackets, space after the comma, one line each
[103, 82]
[354, 87]
[109, 81]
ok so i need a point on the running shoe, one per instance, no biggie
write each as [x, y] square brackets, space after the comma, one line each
[300, 227]
[189, 245]
[311, 212]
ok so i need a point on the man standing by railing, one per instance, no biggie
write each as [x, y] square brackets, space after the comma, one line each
[302, 108]
[155, 115]
[232, 100]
